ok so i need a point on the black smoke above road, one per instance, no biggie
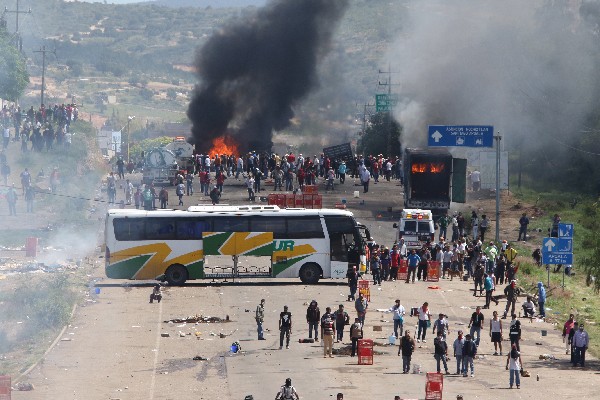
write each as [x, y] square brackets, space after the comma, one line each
[256, 69]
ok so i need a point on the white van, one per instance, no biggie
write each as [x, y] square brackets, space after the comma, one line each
[416, 227]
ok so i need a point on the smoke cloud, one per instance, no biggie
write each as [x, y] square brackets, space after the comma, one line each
[526, 67]
[256, 69]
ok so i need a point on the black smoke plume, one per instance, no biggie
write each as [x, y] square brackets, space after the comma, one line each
[255, 69]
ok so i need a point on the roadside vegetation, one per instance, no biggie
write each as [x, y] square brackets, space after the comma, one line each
[580, 293]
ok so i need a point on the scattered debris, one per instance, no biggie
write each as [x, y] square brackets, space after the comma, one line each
[547, 357]
[24, 386]
[199, 319]
[165, 334]
[200, 358]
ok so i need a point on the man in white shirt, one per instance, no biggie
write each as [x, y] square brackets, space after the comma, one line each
[476, 180]
[399, 312]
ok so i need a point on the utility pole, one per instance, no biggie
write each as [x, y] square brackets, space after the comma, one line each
[391, 107]
[498, 139]
[19, 41]
[44, 51]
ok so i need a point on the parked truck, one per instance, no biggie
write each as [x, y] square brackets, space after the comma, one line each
[162, 164]
[433, 179]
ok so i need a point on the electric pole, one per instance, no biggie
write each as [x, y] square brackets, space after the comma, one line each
[19, 41]
[390, 110]
[44, 51]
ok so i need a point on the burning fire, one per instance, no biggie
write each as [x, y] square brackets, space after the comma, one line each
[223, 145]
[434, 168]
[419, 168]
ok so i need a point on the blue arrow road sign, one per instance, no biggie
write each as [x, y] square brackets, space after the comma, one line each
[557, 258]
[461, 136]
[565, 230]
[549, 245]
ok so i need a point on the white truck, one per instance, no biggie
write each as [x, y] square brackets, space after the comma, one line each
[416, 227]
[162, 164]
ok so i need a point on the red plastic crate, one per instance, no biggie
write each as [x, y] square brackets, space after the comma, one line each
[365, 352]
[317, 201]
[308, 200]
[289, 201]
[299, 201]
[272, 199]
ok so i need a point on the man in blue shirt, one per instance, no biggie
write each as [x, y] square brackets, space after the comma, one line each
[413, 261]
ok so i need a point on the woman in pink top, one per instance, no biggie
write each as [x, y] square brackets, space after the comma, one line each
[566, 329]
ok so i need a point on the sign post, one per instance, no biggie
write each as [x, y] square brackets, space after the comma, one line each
[460, 136]
[385, 102]
[558, 250]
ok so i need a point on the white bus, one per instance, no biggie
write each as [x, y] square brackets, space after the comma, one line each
[173, 245]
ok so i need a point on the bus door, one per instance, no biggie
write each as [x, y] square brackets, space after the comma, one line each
[344, 251]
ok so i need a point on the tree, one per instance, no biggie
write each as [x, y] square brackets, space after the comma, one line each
[375, 139]
[13, 73]
[591, 262]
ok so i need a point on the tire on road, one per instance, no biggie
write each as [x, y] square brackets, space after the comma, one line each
[310, 273]
[176, 275]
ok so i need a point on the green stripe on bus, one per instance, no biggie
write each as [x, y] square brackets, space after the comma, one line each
[127, 269]
[196, 270]
[266, 250]
[282, 266]
[212, 243]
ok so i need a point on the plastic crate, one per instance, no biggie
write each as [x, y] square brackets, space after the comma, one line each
[433, 271]
[402, 271]
[317, 201]
[289, 201]
[272, 199]
[308, 200]
[365, 352]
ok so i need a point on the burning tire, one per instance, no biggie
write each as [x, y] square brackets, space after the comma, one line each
[176, 275]
[310, 273]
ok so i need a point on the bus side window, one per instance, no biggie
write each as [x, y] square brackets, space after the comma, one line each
[191, 229]
[304, 228]
[160, 229]
[230, 224]
[128, 229]
[268, 224]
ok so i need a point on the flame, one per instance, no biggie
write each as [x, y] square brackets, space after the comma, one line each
[419, 168]
[223, 145]
[436, 167]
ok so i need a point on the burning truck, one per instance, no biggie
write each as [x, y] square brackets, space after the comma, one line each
[433, 179]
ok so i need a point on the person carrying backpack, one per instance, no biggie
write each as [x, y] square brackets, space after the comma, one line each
[180, 192]
[287, 391]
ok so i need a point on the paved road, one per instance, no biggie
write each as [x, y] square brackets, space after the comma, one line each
[114, 348]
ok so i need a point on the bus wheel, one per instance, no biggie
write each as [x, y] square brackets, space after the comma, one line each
[176, 275]
[310, 273]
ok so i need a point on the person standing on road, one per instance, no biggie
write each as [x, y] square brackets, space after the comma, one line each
[441, 325]
[285, 327]
[413, 261]
[469, 351]
[475, 324]
[163, 197]
[356, 332]
[327, 333]
[361, 306]
[365, 177]
[352, 276]
[395, 262]
[581, 341]
[441, 351]
[567, 330]
[541, 299]
[341, 320]
[287, 391]
[459, 342]
[407, 347]
[424, 322]
[512, 292]
[513, 361]
[313, 317]
[484, 223]
[514, 331]
[11, 199]
[399, 312]
[496, 332]
[523, 223]
[488, 285]
[260, 317]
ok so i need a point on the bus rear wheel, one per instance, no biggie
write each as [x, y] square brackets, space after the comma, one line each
[176, 275]
[310, 273]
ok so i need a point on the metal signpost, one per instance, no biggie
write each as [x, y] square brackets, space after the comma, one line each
[558, 250]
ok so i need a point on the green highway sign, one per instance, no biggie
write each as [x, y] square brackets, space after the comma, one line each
[385, 102]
